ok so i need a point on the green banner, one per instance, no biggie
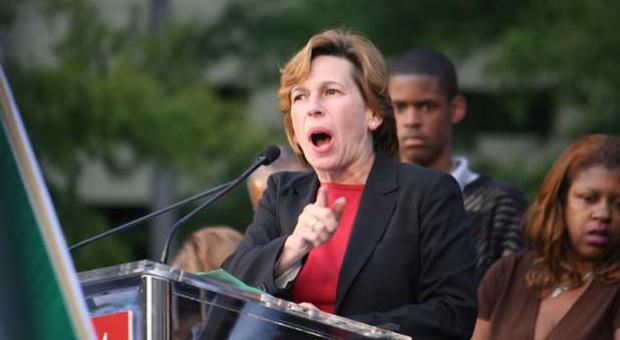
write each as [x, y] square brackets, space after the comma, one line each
[39, 293]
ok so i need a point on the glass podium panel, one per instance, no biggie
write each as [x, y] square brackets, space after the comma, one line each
[167, 303]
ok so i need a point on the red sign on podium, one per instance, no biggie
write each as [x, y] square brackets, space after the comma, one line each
[114, 326]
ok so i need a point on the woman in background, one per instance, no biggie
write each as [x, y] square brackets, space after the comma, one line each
[568, 285]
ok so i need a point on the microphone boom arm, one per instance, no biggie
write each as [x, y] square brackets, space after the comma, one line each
[229, 186]
[130, 224]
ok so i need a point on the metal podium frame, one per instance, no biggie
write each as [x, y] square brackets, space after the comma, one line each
[156, 294]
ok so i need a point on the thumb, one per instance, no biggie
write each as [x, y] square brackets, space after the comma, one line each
[321, 197]
[338, 206]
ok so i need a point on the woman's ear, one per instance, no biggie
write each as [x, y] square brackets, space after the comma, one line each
[374, 121]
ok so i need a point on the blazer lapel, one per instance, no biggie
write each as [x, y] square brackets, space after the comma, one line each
[373, 214]
[304, 190]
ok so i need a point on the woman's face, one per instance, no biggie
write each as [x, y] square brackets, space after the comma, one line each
[331, 121]
[593, 212]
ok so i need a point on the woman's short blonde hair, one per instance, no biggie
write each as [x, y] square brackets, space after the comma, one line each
[370, 75]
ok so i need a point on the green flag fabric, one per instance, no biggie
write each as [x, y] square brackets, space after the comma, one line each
[39, 292]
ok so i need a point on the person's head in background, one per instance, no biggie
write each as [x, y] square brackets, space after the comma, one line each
[206, 249]
[574, 223]
[257, 181]
[424, 90]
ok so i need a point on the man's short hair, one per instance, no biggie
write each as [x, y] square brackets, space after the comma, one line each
[428, 62]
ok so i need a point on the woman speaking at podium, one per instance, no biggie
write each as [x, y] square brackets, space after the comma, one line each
[360, 235]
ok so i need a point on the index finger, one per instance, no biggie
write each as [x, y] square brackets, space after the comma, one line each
[321, 197]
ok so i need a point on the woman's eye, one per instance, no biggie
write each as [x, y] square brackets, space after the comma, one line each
[331, 91]
[297, 97]
[588, 198]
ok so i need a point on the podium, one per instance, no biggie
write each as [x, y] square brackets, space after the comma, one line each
[149, 300]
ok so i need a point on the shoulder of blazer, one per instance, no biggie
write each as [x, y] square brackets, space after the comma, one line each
[386, 175]
[295, 182]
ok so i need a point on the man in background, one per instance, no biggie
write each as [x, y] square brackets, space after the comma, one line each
[427, 104]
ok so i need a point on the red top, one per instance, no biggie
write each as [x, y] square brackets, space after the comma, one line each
[318, 279]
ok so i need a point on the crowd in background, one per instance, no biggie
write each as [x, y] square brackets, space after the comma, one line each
[549, 270]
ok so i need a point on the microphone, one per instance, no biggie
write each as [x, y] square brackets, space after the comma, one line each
[137, 221]
[270, 154]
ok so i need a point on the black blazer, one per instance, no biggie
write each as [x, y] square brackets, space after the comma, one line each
[410, 260]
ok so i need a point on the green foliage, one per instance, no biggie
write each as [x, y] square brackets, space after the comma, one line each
[72, 113]
[574, 47]
[567, 47]
[122, 88]
[8, 10]
[81, 222]
[262, 30]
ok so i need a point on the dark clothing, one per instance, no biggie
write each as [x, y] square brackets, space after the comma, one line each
[494, 211]
[410, 260]
[512, 309]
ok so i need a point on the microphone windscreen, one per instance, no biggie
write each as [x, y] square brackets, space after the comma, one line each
[270, 154]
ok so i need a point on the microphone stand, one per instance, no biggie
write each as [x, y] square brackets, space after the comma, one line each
[130, 224]
[229, 186]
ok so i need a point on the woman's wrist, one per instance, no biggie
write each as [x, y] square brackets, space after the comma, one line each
[292, 252]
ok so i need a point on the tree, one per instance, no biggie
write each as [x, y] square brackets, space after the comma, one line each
[569, 47]
[117, 89]
[573, 46]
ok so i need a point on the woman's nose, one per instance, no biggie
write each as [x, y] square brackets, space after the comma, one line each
[315, 105]
[602, 211]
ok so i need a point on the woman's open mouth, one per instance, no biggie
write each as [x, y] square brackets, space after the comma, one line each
[321, 139]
